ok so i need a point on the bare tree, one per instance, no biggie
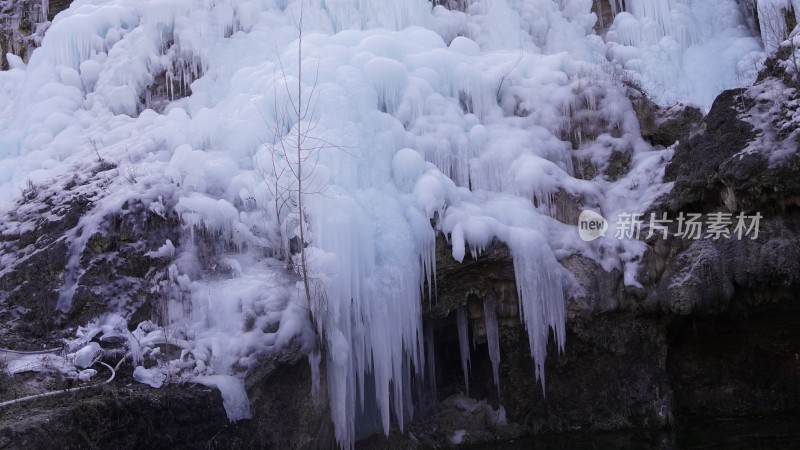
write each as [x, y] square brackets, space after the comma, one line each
[774, 25]
[779, 31]
[294, 152]
[793, 47]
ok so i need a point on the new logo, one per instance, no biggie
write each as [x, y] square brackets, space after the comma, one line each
[591, 225]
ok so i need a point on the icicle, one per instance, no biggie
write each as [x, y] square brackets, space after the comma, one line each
[541, 299]
[617, 6]
[362, 14]
[45, 11]
[390, 79]
[463, 343]
[493, 338]
[365, 337]
[772, 20]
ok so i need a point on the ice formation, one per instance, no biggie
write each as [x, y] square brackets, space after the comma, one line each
[772, 20]
[467, 122]
[666, 46]
[492, 337]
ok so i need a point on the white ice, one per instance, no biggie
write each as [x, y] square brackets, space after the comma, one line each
[433, 121]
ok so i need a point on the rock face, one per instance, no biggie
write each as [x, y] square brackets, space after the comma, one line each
[286, 413]
[710, 333]
[605, 14]
[42, 259]
[22, 26]
[56, 6]
[120, 417]
[19, 20]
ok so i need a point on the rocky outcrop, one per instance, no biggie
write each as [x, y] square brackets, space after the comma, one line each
[604, 13]
[40, 245]
[19, 33]
[709, 334]
[287, 414]
[22, 26]
[56, 6]
[662, 126]
[119, 416]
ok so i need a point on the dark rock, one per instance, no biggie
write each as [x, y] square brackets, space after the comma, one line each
[453, 5]
[662, 126]
[605, 15]
[114, 267]
[710, 170]
[492, 272]
[122, 418]
[56, 6]
[733, 366]
[286, 412]
[619, 164]
[22, 25]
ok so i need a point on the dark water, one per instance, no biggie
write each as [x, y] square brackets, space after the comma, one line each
[718, 434]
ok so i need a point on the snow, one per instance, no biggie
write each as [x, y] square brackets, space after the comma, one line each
[770, 120]
[430, 124]
[46, 363]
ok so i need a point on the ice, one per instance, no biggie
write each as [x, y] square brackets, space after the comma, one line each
[85, 357]
[15, 62]
[407, 166]
[539, 287]
[86, 374]
[430, 194]
[389, 78]
[666, 46]
[234, 397]
[39, 362]
[165, 251]
[358, 14]
[772, 20]
[492, 337]
[152, 377]
[465, 46]
[463, 343]
[73, 39]
[466, 126]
